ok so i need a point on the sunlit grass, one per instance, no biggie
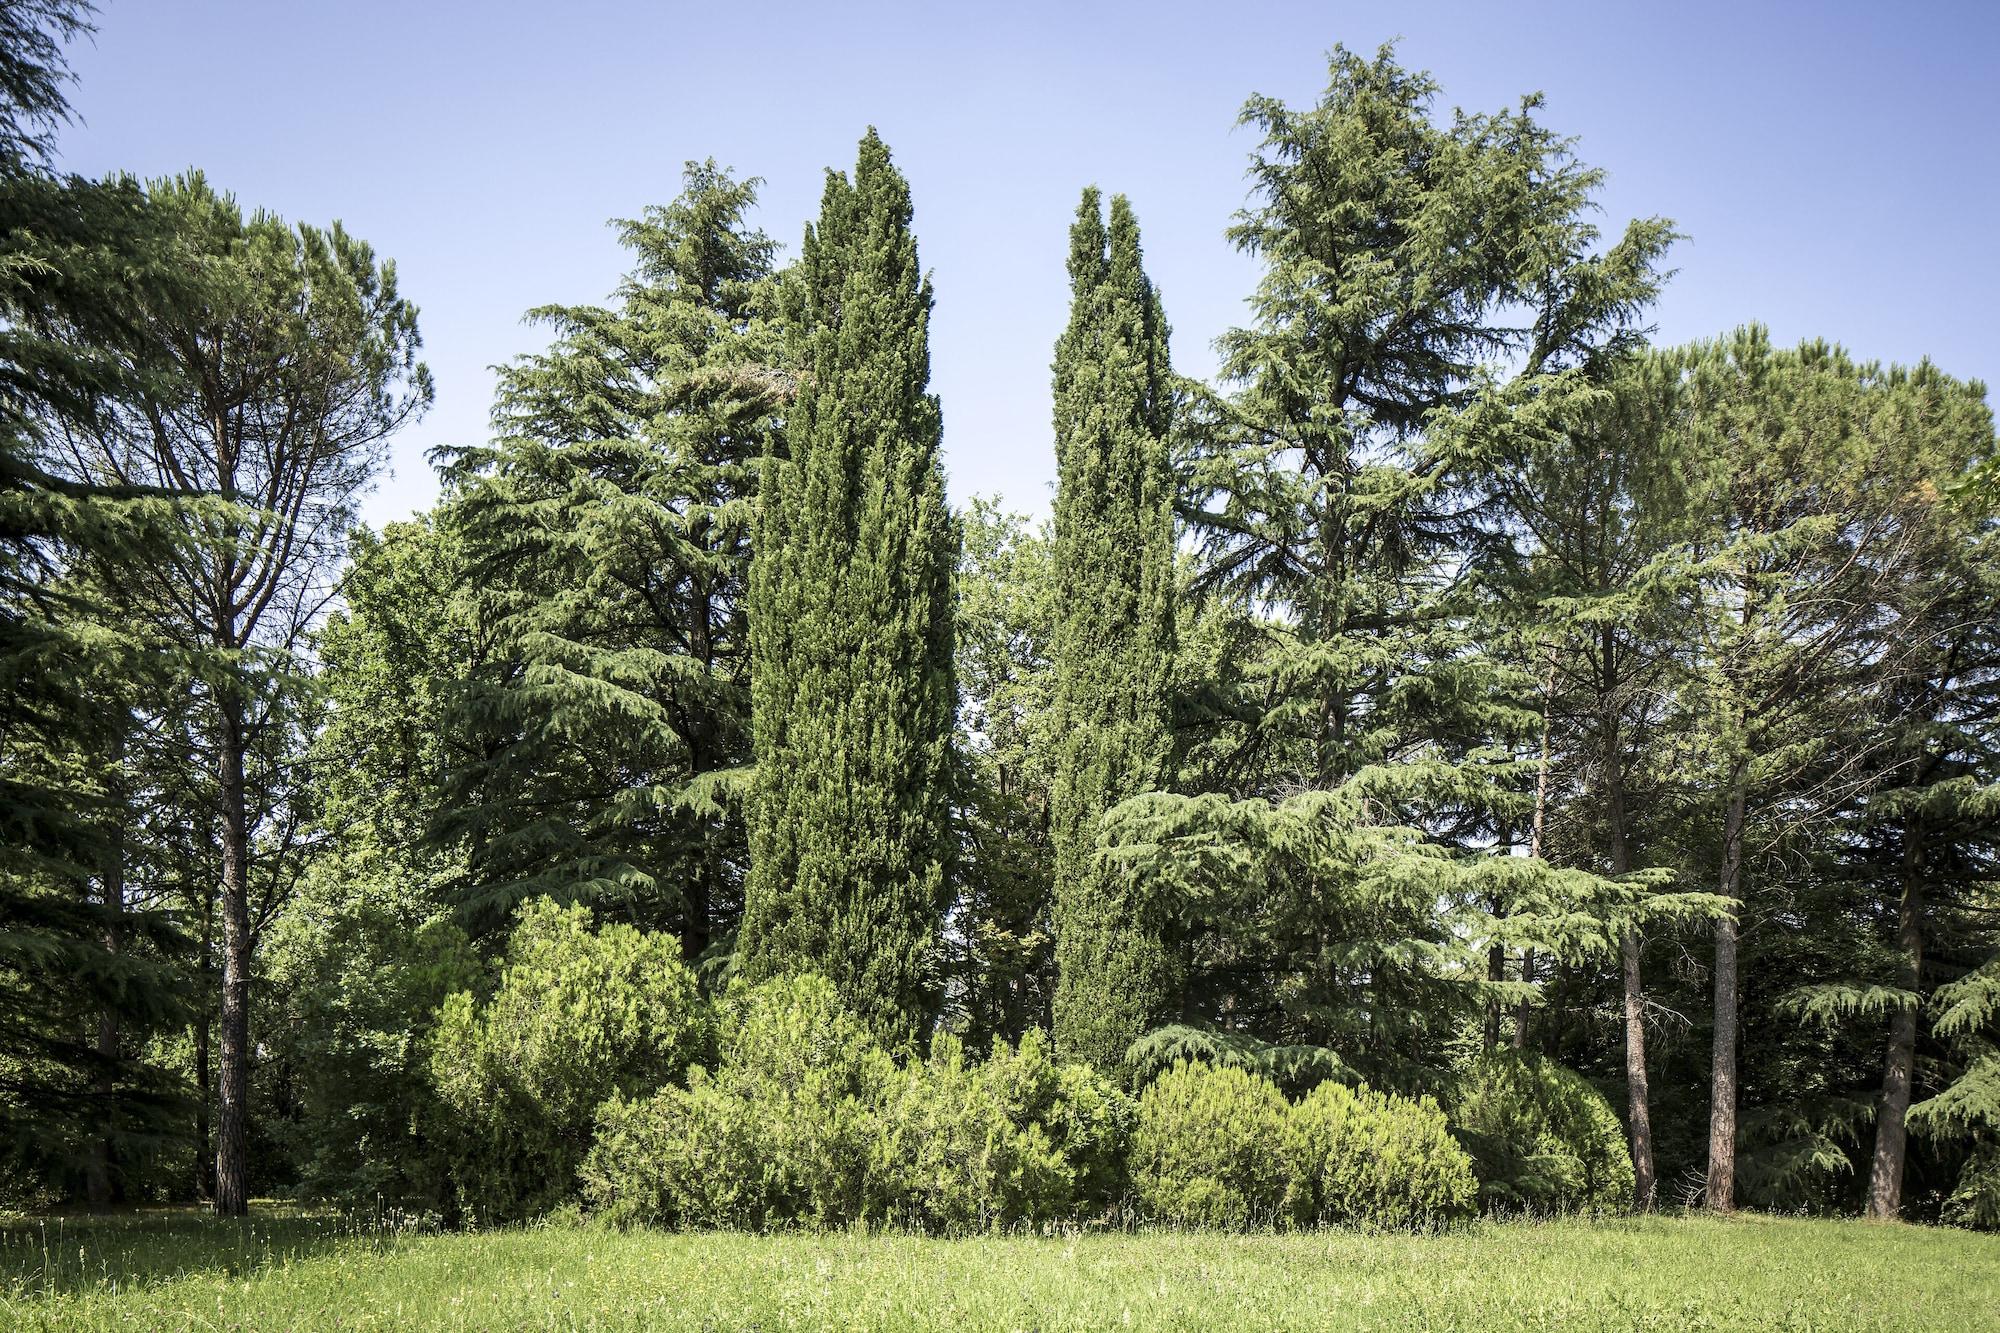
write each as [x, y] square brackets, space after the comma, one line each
[289, 1270]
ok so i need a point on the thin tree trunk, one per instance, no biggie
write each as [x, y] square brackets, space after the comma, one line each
[204, 1077]
[232, 1181]
[1496, 970]
[1722, 1065]
[99, 1187]
[1885, 1178]
[1524, 1011]
[1638, 1109]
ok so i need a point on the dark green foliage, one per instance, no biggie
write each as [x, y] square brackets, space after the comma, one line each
[1375, 744]
[361, 963]
[578, 1016]
[1112, 568]
[851, 625]
[82, 978]
[1356, 1157]
[1542, 1139]
[1208, 1150]
[601, 730]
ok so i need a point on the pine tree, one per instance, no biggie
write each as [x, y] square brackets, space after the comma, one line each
[1113, 565]
[606, 540]
[82, 979]
[1377, 740]
[851, 625]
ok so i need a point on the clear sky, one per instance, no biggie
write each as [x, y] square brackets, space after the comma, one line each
[1835, 165]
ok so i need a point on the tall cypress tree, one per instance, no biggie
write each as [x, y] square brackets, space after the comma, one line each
[851, 624]
[1114, 638]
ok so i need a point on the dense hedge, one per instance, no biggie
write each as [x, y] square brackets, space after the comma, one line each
[1542, 1138]
[595, 1066]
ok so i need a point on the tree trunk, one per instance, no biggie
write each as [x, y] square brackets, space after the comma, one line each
[1523, 1012]
[1885, 1178]
[1638, 1109]
[99, 1188]
[232, 1182]
[1496, 970]
[1722, 1067]
[204, 1079]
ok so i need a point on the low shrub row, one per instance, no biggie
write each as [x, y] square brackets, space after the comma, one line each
[1223, 1148]
[594, 1066]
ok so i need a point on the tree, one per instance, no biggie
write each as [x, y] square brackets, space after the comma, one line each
[82, 981]
[283, 381]
[851, 624]
[1598, 504]
[606, 538]
[1113, 567]
[1810, 502]
[1412, 271]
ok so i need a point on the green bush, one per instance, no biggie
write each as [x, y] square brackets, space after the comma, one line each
[1086, 1115]
[1542, 1138]
[579, 1016]
[807, 1121]
[784, 1131]
[1364, 1158]
[955, 1156]
[1207, 1150]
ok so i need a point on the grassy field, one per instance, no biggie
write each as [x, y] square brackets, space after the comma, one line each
[278, 1271]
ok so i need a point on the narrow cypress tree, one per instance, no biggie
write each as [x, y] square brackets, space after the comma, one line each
[1114, 638]
[852, 689]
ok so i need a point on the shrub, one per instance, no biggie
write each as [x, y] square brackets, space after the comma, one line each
[579, 1016]
[806, 1121]
[784, 1131]
[957, 1152]
[1364, 1158]
[1542, 1138]
[1207, 1150]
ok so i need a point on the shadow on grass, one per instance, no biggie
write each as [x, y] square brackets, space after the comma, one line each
[74, 1252]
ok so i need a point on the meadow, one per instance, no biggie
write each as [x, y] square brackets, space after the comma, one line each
[293, 1270]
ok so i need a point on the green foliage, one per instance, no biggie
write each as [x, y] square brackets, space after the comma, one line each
[601, 730]
[806, 1121]
[783, 1132]
[577, 1017]
[1365, 1158]
[851, 626]
[1112, 566]
[361, 961]
[1542, 1139]
[1208, 1149]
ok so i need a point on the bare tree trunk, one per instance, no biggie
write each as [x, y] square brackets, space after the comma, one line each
[1496, 970]
[204, 1071]
[1638, 1109]
[1722, 1067]
[1885, 1177]
[99, 1187]
[232, 1182]
[1523, 1012]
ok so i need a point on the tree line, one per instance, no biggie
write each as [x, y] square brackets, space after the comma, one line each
[1457, 673]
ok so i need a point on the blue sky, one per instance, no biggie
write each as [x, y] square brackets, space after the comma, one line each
[1836, 166]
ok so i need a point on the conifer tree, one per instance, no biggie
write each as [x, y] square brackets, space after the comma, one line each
[606, 541]
[1113, 564]
[851, 625]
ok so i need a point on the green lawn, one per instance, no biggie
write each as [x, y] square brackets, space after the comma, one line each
[175, 1271]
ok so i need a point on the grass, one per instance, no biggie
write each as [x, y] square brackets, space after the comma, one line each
[299, 1271]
